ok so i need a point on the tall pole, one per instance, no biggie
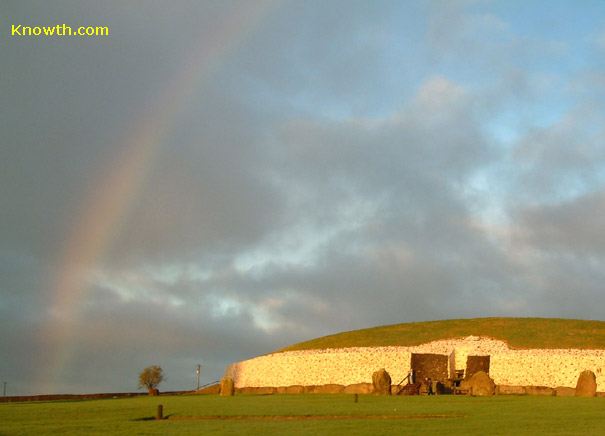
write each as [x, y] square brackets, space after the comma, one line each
[198, 376]
[4, 389]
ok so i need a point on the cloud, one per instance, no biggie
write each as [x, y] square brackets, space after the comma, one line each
[563, 159]
[567, 227]
[453, 30]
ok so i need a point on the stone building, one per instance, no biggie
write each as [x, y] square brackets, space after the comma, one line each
[439, 360]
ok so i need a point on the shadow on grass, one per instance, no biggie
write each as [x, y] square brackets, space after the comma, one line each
[152, 418]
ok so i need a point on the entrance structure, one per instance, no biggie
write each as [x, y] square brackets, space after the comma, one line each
[433, 366]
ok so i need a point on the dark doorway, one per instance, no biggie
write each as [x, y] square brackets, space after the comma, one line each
[474, 364]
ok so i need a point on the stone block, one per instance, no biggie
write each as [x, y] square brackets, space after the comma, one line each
[312, 389]
[510, 390]
[563, 391]
[331, 389]
[265, 390]
[249, 390]
[295, 389]
[540, 390]
[359, 388]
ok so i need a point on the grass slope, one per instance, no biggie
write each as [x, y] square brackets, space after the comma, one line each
[377, 416]
[520, 333]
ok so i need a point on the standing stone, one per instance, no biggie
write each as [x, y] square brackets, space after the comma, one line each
[481, 384]
[382, 382]
[227, 388]
[587, 384]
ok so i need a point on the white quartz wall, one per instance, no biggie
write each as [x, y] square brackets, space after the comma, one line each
[343, 366]
[346, 366]
[550, 368]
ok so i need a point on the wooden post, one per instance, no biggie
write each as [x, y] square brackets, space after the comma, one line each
[160, 412]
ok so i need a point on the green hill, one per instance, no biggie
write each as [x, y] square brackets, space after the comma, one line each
[520, 333]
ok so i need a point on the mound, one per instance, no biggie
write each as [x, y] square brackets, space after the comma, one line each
[519, 333]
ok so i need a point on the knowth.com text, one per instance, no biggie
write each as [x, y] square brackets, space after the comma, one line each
[58, 30]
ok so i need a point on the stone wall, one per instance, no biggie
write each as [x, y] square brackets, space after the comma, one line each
[343, 366]
[550, 368]
[346, 366]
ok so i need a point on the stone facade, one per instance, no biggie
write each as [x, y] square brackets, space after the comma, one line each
[347, 366]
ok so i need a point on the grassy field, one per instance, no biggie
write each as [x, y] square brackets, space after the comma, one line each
[308, 414]
[517, 332]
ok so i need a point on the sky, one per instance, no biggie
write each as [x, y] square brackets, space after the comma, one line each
[215, 180]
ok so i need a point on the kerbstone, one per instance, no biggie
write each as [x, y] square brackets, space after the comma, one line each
[227, 387]
[381, 380]
[587, 385]
[481, 384]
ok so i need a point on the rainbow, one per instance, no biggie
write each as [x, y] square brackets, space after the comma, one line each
[107, 207]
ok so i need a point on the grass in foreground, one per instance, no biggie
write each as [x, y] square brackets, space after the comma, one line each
[133, 416]
[517, 332]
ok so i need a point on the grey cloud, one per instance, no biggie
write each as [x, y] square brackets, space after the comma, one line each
[568, 227]
[566, 156]
[389, 163]
[402, 147]
[206, 193]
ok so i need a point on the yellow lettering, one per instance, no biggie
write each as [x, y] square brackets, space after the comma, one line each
[58, 30]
